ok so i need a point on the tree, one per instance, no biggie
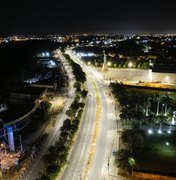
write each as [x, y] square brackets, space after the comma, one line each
[151, 118]
[147, 105]
[53, 170]
[166, 102]
[77, 85]
[66, 125]
[132, 139]
[161, 119]
[51, 157]
[124, 114]
[45, 106]
[114, 65]
[71, 112]
[157, 99]
[124, 160]
[138, 115]
[84, 93]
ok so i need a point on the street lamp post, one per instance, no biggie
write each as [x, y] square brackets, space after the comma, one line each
[150, 75]
[21, 146]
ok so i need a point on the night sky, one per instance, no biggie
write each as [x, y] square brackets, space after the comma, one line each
[87, 16]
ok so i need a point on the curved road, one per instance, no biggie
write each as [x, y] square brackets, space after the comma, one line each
[106, 132]
[79, 155]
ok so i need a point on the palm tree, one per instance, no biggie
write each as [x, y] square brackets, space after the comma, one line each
[139, 115]
[157, 99]
[166, 100]
[147, 104]
[151, 118]
[161, 119]
[126, 113]
[124, 160]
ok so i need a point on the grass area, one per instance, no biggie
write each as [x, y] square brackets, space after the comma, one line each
[157, 156]
[151, 92]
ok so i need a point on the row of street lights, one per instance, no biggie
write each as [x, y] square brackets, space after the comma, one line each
[159, 131]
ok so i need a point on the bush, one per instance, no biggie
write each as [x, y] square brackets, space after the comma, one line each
[52, 170]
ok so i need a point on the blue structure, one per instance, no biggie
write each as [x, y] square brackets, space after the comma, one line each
[10, 138]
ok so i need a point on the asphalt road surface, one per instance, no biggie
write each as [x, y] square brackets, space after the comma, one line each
[75, 168]
[106, 133]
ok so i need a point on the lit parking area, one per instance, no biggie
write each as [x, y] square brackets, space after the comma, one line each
[7, 160]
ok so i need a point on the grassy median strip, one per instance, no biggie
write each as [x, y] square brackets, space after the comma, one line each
[95, 133]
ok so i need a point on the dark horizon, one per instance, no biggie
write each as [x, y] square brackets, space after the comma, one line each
[100, 17]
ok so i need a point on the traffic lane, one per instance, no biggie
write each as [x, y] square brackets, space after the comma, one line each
[80, 152]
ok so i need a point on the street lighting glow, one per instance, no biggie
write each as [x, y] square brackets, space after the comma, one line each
[109, 64]
[159, 131]
[131, 161]
[166, 79]
[47, 54]
[150, 131]
[151, 64]
[130, 64]
[169, 131]
[167, 143]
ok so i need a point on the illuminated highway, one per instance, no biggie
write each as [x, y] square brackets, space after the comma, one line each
[92, 163]
[91, 156]
[79, 155]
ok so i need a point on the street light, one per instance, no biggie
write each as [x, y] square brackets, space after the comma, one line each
[159, 131]
[167, 79]
[169, 131]
[150, 64]
[130, 64]
[3, 146]
[150, 131]
[21, 146]
[109, 64]
[167, 143]
[132, 163]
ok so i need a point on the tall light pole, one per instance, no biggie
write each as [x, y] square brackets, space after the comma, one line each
[167, 79]
[105, 67]
[21, 146]
[150, 75]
